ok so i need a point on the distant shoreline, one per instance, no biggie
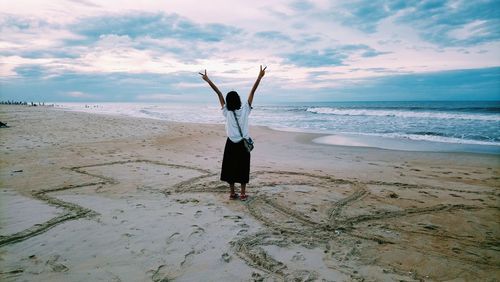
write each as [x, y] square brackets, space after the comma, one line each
[327, 137]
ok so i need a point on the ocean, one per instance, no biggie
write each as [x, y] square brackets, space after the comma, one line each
[467, 125]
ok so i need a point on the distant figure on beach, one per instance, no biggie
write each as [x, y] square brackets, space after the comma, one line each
[236, 160]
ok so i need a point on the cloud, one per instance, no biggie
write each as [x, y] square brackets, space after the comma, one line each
[363, 49]
[316, 58]
[85, 3]
[30, 71]
[158, 97]
[373, 53]
[366, 15]
[467, 84]
[461, 85]
[31, 32]
[110, 87]
[450, 23]
[331, 56]
[154, 25]
[13, 22]
[273, 35]
[79, 95]
[301, 5]
[10, 65]
[446, 23]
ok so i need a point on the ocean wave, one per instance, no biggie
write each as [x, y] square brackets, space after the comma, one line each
[402, 113]
[153, 114]
[447, 127]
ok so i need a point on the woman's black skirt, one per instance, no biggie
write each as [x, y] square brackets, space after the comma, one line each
[236, 163]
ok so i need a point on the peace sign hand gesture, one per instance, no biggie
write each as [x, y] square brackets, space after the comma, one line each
[204, 76]
[262, 71]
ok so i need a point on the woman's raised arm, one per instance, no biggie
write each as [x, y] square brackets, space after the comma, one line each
[204, 76]
[256, 84]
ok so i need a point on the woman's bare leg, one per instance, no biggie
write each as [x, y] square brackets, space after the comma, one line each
[231, 185]
[243, 187]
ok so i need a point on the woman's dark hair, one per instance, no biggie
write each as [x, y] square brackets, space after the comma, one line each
[233, 101]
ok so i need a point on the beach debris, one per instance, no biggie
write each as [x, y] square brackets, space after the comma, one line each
[19, 170]
[3, 124]
[393, 195]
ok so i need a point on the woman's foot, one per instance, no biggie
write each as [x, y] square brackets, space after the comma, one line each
[233, 196]
[243, 197]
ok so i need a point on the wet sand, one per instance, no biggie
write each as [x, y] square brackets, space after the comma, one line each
[100, 198]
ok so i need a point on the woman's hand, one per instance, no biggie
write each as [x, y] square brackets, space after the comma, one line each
[204, 76]
[262, 72]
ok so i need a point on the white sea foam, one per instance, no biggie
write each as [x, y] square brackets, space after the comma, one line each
[118, 109]
[403, 114]
[445, 128]
[171, 112]
[430, 138]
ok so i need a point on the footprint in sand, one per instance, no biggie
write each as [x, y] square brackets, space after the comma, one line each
[430, 227]
[55, 266]
[197, 231]
[236, 218]
[298, 257]
[172, 238]
[187, 257]
[226, 257]
[185, 201]
[198, 213]
[242, 231]
[163, 273]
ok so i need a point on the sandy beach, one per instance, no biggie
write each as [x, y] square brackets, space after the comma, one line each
[88, 197]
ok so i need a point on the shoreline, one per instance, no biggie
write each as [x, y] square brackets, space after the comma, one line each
[368, 140]
[99, 197]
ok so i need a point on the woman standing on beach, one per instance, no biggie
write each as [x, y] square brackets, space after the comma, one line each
[236, 160]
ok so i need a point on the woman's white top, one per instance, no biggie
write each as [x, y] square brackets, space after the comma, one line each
[231, 127]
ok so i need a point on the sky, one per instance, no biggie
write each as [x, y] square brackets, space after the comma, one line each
[315, 50]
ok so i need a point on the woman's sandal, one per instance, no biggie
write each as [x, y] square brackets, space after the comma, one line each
[233, 196]
[243, 197]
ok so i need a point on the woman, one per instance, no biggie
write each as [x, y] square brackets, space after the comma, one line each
[236, 160]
